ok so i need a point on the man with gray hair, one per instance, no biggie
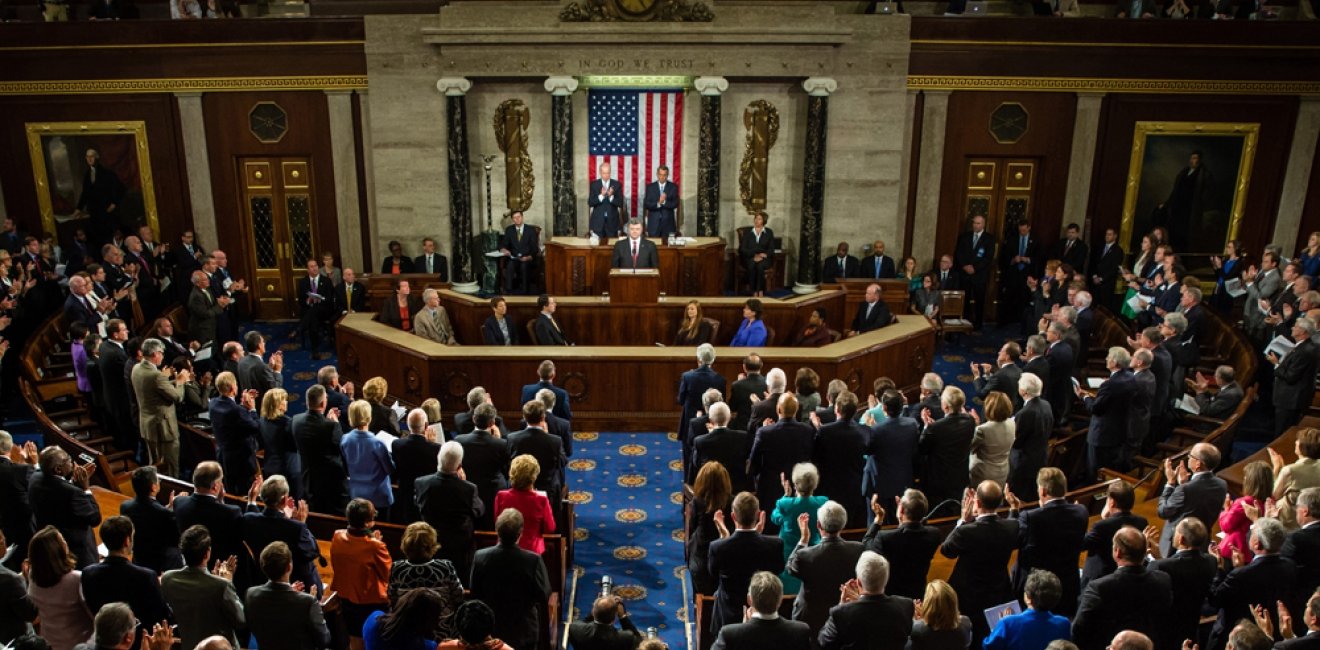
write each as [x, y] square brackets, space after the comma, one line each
[1033, 356]
[463, 422]
[762, 626]
[1107, 437]
[1267, 578]
[929, 400]
[823, 567]
[283, 520]
[157, 396]
[554, 424]
[699, 426]
[116, 629]
[764, 405]
[1061, 357]
[866, 617]
[635, 251]
[414, 457]
[1294, 376]
[692, 387]
[1183, 351]
[728, 447]
[432, 322]
[448, 502]
[1034, 425]
[1220, 404]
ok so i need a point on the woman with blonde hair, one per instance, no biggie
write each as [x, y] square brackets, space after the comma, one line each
[538, 517]
[992, 442]
[711, 492]
[694, 329]
[937, 623]
[277, 436]
[1291, 479]
[367, 460]
[1257, 487]
[382, 417]
[435, 428]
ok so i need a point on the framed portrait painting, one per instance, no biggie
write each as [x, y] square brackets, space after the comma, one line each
[1191, 178]
[100, 171]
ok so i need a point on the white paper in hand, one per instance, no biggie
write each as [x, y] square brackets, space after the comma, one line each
[388, 439]
[1234, 288]
[1094, 382]
[1137, 303]
[1280, 346]
[399, 411]
[1189, 404]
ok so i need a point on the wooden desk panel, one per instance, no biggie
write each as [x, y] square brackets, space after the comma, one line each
[612, 388]
[893, 292]
[575, 268]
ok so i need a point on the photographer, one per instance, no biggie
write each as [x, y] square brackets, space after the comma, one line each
[599, 633]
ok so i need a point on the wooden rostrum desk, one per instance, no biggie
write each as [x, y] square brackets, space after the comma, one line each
[573, 267]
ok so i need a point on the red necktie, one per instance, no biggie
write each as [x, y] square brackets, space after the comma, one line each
[634, 253]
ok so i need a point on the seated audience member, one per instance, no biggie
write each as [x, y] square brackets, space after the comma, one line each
[1050, 537]
[408, 625]
[799, 499]
[1133, 597]
[982, 544]
[282, 520]
[911, 545]
[824, 567]
[55, 587]
[840, 453]
[279, 614]
[513, 581]
[451, 505]
[944, 447]
[816, 333]
[374, 392]
[475, 622]
[419, 569]
[735, 557]
[59, 496]
[926, 297]
[1035, 628]
[1234, 524]
[318, 437]
[712, 492]
[414, 457]
[361, 565]
[756, 252]
[1268, 578]
[17, 611]
[941, 625]
[1192, 490]
[872, 314]
[367, 459]
[431, 262]
[204, 603]
[534, 507]
[401, 311]
[751, 332]
[156, 538]
[277, 438]
[1220, 404]
[499, 329]
[891, 447]
[396, 263]
[486, 461]
[1099, 540]
[694, 330]
[762, 626]
[1191, 571]
[843, 265]
[432, 322]
[777, 448]
[866, 616]
[117, 579]
[598, 632]
[546, 329]
[992, 441]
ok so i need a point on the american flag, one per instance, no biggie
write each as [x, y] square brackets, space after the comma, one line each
[635, 131]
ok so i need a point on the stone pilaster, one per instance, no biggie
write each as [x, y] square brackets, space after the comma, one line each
[1297, 174]
[1086, 128]
[369, 178]
[460, 186]
[563, 198]
[708, 155]
[813, 182]
[192, 124]
[344, 158]
[935, 115]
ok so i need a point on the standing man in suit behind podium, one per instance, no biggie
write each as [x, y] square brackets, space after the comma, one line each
[841, 266]
[974, 256]
[431, 262]
[661, 203]
[546, 329]
[635, 252]
[606, 203]
[877, 265]
[519, 245]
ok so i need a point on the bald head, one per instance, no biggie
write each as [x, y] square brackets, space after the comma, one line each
[1131, 640]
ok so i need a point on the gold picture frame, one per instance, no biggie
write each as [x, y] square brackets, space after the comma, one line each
[72, 138]
[1159, 173]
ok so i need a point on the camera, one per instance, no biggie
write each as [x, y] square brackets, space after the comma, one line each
[652, 633]
[606, 586]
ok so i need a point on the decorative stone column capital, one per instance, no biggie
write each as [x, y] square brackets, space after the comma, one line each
[561, 86]
[820, 86]
[711, 86]
[454, 86]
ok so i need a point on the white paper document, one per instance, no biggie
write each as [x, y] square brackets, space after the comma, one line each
[203, 354]
[1094, 382]
[1234, 287]
[399, 411]
[1280, 346]
[387, 438]
[1138, 303]
[1188, 403]
[439, 429]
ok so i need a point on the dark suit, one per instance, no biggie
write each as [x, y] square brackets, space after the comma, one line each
[1040, 366]
[1013, 282]
[1220, 405]
[749, 246]
[548, 450]
[605, 219]
[871, 316]
[324, 477]
[439, 265]
[839, 268]
[821, 568]
[116, 579]
[254, 374]
[17, 611]
[562, 407]
[222, 520]
[1074, 255]
[59, 503]
[775, 450]
[840, 454]
[491, 334]
[728, 447]
[203, 311]
[1191, 573]
[237, 431]
[260, 529]
[1104, 264]
[16, 516]
[648, 257]
[1131, 598]
[1303, 548]
[909, 549]
[982, 549]
[1111, 417]
[1004, 380]
[1140, 410]
[1050, 538]
[1061, 357]
[359, 296]
[1263, 580]
[111, 364]
[76, 310]
[547, 331]
[590, 635]
[1099, 544]
[756, 634]
[485, 462]
[739, 398]
[660, 219]
[155, 534]
[96, 199]
[872, 621]
[884, 270]
[518, 273]
[463, 423]
[452, 507]
[387, 266]
[947, 280]
[272, 607]
[514, 583]
[414, 457]
[1294, 384]
[691, 387]
[733, 560]
[944, 447]
[980, 256]
[1202, 496]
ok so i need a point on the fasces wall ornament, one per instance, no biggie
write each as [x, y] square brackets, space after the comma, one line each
[761, 119]
[584, 11]
[511, 120]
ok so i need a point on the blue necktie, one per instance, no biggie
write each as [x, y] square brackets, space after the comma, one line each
[877, 267]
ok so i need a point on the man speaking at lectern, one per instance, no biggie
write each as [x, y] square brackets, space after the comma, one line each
[635, 252]
[606, 201]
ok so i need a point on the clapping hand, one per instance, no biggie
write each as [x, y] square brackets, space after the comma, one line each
[917, 610]
[1014, 503]
[926, 418]
[160, 637]
[299, 587]
[788, 486]
[30, 452]
[976, 417]
[225, 568]
[1251, 511]
[850, 591]
[877, 509]
[804, 528]
[1189, 645]
[968, 504]
[719, 524]
[299, 512]
[1152, 535]
[1262, 617]
[1285, 621]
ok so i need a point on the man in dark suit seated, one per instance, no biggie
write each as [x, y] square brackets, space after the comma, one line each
[1267, 578]
[546, 448]
[206, 507]
[822, 568]
[431, 262]
[1191, 489]
[414, 457]
[728, 447]
[944, 446]
[279, 615]
[60, 497]
[117, 579]
[597, 632]
[272, 524]
[1191, 571]
[841, 266]
[1050, 537]
[735, 557]
[486, 461]
[872, 314]
[546, 328]
[1220, 404]
[1111, 413]
[513, 581]
[605, 200]
[1099, 541]
[156, 538]
[840, 453]
[661, 203]
[891, 446]
[877, 265]
[1132, 598]
[1294, 376]
[350, 295]
[520, 245]
[237, 429]
[634, 251]
[866, 616]
[911, 546]
[777, 447]
[1303, 546]
[448, 502]
[982, 544]
[1005, 378]
[762, 626]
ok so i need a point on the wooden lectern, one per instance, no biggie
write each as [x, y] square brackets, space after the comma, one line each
[634, 285]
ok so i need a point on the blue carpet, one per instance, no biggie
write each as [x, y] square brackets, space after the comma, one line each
[628, 491]
[953, 358]
[299, 366]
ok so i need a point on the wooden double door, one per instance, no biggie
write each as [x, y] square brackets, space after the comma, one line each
[1003, 191]
[280, 224]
